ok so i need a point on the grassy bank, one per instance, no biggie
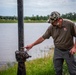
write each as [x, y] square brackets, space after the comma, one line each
[40, 66]
[25, 21]
[8, 21]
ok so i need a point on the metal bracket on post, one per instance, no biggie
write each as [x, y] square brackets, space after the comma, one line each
[21, 56]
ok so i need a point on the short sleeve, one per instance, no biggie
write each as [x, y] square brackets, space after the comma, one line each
[73, 29]
[47, 34]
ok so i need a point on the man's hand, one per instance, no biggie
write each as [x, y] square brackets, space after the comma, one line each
[73, 50]
[28, 47]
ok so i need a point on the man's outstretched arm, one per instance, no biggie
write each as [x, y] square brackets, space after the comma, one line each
[38, 41]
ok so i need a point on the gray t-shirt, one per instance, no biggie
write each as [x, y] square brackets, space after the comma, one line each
[63, 37]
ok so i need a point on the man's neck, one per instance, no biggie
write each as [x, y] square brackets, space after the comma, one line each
[60, 22]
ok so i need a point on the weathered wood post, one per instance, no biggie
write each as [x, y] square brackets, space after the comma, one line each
[21, 65]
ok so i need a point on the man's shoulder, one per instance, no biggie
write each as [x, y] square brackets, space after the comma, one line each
[67, 21]
[50, 26]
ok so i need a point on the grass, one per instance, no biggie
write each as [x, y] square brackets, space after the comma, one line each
[40, 66]
[10, 71]
[36, 67]
[25, 21]
[8, 21]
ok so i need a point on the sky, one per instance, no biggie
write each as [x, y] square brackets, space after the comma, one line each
[37, 7]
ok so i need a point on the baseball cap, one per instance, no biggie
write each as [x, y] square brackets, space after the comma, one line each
[53, 16]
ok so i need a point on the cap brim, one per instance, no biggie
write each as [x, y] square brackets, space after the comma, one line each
[50, 21]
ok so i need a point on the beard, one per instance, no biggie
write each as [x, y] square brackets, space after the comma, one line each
[57, 25]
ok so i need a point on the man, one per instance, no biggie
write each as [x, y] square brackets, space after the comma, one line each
[62, 31]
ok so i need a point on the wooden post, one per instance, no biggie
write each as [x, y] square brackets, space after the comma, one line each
[21, 65]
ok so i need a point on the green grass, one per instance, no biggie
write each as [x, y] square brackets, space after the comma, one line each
[36, 67]
[10, 71]
[25, 21]
[8, 21]
[40, 66]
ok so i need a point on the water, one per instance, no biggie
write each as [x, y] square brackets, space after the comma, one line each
[9, 40]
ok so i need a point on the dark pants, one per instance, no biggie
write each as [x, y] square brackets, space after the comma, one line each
[59, 57]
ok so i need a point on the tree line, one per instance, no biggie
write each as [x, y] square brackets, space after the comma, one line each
[71, 16]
